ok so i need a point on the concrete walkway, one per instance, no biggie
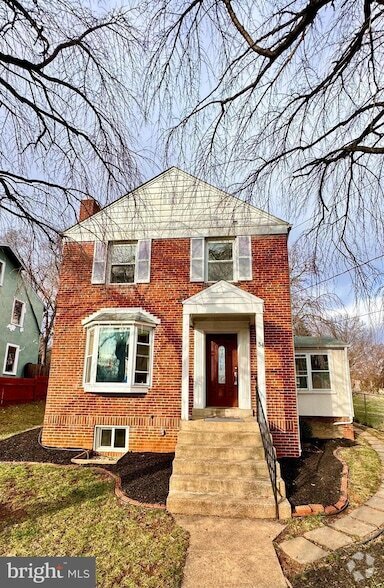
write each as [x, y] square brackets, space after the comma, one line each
[358, 524]
[228, 553]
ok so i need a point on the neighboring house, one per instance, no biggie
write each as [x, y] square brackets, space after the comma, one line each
[324, 386]
[174, 304]
[21, 313]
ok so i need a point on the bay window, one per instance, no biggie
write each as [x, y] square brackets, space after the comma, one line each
[119, 353]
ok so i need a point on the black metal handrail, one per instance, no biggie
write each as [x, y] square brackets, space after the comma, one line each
[269, 449]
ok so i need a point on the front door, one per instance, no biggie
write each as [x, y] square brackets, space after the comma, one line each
[222, 371]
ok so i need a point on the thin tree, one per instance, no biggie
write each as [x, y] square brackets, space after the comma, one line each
[67, 117]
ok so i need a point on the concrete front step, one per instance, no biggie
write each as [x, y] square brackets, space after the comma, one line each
[210, 452]
[234, 413]
[189, 503]
[230, 469]
[247, 488]
[221, 426]
[221, 438]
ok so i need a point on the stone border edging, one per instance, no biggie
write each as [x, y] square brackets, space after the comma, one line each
[119, 492]
[306, 510]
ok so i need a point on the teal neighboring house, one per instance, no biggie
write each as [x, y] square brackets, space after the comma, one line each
[21, 314]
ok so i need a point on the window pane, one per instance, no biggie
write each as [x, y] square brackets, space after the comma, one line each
[321, 380]
[220, 251]
[221, 364]
[122, 274]
[11, 359]
[143, 350]
[120, 435]
[143, 336]
[141, 378]
[319, 362]
[17, 312]
[106, 437]
[301, 365]
[112, 356]
[302, 382]
[123, 253]
[88, 365]
[220, 271]
[142, 364]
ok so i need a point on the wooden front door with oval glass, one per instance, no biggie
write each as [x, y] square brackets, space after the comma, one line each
[222, 371]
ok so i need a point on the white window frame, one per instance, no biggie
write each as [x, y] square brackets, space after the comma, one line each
[97, 439]
[129, 387]
[307, 355]
[23, 312]
[234, 258]
[2, 271]
[16, 364]
[109, 262]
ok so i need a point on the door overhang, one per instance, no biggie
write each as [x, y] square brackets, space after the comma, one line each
[230, 302]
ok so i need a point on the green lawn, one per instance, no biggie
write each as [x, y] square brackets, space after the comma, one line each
[19, 417]
[51, 511]
[374, 415]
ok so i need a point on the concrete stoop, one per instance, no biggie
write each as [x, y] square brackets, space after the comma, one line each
[220, 470]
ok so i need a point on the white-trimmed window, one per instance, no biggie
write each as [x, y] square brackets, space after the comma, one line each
[312, 371]
[18, 313]
[11, 359]
[122, 262]
[221, 258]
[111, 438]
[2, 272]
[119, 351]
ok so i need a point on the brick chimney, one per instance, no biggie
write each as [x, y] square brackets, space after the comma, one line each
[88, 207]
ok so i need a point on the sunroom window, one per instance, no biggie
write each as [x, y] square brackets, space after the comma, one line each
[118, 354]
[312, 371]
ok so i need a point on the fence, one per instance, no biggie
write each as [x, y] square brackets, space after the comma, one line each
[369, 410]
[19, 390]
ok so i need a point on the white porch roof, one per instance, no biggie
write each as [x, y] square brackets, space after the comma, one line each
[223, 298]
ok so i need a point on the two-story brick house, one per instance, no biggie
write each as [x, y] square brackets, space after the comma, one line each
[174, 305]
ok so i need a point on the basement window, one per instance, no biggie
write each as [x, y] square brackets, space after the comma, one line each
[111, 438]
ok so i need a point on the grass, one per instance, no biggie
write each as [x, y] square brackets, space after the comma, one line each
[298, 526]
[52, 511]
[364, 472]
[373, 415]
[19, 417]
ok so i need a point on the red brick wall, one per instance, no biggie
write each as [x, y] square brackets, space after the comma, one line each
[71, 413]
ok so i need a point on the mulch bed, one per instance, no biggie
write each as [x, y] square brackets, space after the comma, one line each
[314, 478]
[144, 476]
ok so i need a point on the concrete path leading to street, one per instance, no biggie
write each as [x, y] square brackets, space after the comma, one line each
[226, 553]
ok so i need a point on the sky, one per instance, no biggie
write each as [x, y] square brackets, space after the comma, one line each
[225, 170]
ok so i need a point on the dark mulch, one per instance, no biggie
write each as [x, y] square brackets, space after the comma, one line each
[314, 478]
[144, 476]
[26, 447]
